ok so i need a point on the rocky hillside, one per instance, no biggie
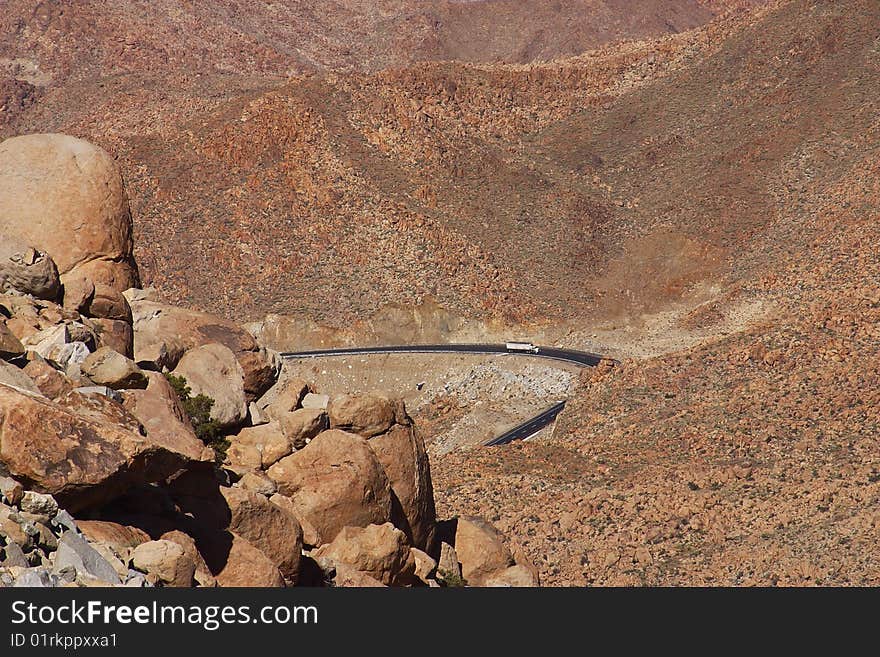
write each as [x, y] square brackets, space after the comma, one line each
[142, 444]
[51, 40]
[254, 192]
[750, 458]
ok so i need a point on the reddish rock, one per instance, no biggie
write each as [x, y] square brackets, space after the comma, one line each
[335, 481]
[401, 451]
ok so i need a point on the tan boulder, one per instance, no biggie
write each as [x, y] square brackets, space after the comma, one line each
[401, 451]
[513, 577]
[335, 481]
[78, 292]
[50, 381]
[256, 481]
[425, 566]
[183, 329]
[156, 321]
[109, 303]
[107, 367]
[312, 400]
[448, 566]
[381, 551]
[481, 550]
[311, 537]
[160, 412]
[166, 561]
[260, 372]
[367, 414]
[202, 573]
[10, 375]
[26, 270]
[213, 370]
[242, 564]
[268, 527]
[283, 398]
[116, 334]
[120, 538]
[267, 439]
[240, 455]
[10, 345]
[65, 196]
[347, 577]
[83, 449]
[303, 424]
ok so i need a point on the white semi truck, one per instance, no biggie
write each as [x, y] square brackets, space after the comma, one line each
[521, 347]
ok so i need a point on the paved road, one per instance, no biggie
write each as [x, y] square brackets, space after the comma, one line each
[530, 427]
[567, 355]
[519, 432]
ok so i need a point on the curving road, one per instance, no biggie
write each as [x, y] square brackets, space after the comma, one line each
[553, 353]
[528, 428]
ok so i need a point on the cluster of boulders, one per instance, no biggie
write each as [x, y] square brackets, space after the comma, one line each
[303, 488]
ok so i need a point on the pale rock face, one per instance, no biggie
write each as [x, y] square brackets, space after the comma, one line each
[481, 550]
[25, 270]
[425, 566]
[303, 424]
[283, 398]
[65, 197]
[166, 561]
[107, 367]
[333, 482]
[514, 576]
[266, 439]
[213, 370]
[448, 566]
[367, 415]
[380, 551]
[202, 573]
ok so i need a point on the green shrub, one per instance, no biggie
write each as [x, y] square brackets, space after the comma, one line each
[198, 409]
[451, 580]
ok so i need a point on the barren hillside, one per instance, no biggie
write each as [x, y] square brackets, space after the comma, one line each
[255, 193]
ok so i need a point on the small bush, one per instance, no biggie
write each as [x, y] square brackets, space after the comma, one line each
[198, 409]
[451, 580]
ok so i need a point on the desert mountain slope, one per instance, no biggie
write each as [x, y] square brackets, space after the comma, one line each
[751, 459]
[337, 193]
[54, 40]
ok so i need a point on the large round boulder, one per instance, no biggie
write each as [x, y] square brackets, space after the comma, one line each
[65, 196]
[213, 370]
[335, 481]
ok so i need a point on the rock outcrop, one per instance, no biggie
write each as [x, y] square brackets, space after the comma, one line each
[335, 481]
[367, 415]
[401, 451]
[380, 551]
[65, 197]
[212, 370]
[83, 451]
